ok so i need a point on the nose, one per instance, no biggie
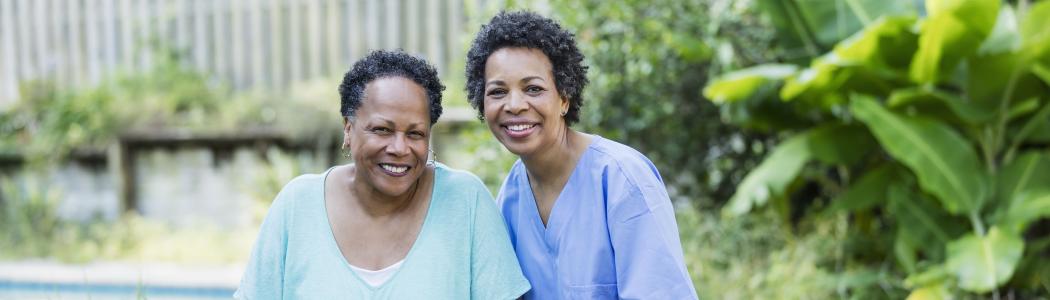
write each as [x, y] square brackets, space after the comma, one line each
[398, 146]
[516, 104]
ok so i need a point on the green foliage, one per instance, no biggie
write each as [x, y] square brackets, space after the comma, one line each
[758, 257]
[953, 109]
[647, 60]
[50, 122]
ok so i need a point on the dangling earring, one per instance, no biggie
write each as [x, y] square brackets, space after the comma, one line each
[433, 158]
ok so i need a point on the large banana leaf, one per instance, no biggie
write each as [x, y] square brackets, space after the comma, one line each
[739, 85]
[940, 105]
[953, 30]
[772, 177]
[873, 55]
[1033, 125]
[945, 163]
[830, 144]
[982, 263]
[1030, 171]
[1025, 208]
[1034, 30]
[866, 192]
[919, 220]
[816, 24]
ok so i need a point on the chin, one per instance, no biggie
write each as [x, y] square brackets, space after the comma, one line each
[520, 149]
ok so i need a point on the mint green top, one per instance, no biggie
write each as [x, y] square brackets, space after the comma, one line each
[462, 251]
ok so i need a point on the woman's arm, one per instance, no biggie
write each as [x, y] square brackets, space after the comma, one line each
[644, 235]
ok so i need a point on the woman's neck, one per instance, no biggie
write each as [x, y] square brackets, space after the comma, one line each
[553, 165]
[376, 204]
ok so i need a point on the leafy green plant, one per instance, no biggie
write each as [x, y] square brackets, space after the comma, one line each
[931, 132]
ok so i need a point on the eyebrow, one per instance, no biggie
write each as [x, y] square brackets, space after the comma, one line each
[526, 79]
[388, 122]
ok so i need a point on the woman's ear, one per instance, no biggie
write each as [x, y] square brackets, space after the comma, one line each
[564, 104]
[347, 127]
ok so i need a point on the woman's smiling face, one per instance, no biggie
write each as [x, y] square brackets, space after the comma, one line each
[522, 105]
[389, 135]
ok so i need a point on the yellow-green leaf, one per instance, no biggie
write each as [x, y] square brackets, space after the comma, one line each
[983, 263]
[739, 85]
[935, 292]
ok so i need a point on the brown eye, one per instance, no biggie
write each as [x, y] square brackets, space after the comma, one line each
[533, 90]
[417, 135]
[496, 93]
[380, 130]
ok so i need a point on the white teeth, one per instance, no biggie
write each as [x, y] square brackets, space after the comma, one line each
[519, 127]
[394, 169]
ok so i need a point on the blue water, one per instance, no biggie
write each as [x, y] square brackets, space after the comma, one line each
[37, 290]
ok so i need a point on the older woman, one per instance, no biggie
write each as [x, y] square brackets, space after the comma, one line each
[391, 225]
[589, 218]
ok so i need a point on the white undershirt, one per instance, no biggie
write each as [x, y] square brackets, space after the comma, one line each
[377, 278]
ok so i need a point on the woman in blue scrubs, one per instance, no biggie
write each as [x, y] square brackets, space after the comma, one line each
[589, 218]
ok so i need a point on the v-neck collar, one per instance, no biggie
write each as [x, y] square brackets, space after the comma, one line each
[555, 219]
[406, 261]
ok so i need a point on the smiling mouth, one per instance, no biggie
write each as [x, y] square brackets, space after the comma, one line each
[519, 130]
[395, 170]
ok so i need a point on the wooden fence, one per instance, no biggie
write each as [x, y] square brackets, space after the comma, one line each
[247, 43]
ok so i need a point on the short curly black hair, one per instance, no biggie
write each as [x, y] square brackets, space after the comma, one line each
[383, 63]
[528, 30]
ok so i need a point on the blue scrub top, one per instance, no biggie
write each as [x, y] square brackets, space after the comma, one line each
[462, 251]
[611, 233]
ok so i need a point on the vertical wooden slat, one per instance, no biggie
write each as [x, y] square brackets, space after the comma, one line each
[293, 41]
[200, 35]
[109, 36]
[24, 39]
[332, 21]
[56, 38]
[162, 17]
[434, 50]
[455, 28]
[75, 58]
[371, 31]
[221, 42]
[391, 30]
[127, 35]
[8, 68]
[94, 58]
[145, 34]
[43, 52]
[353, 31]
[237, 38]
[313, 32]
[182, 25]
[412, 27]
[276, 57]
[257, 74]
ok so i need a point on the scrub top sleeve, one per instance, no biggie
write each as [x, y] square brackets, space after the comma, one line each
[648, 252]
[495, 273]
[264, 276]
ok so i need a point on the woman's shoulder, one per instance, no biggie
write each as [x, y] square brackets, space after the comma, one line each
[301, 187]
[621, 158]
[456, 178]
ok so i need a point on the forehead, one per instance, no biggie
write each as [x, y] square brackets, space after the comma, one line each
[517, 62]
[395, 96]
